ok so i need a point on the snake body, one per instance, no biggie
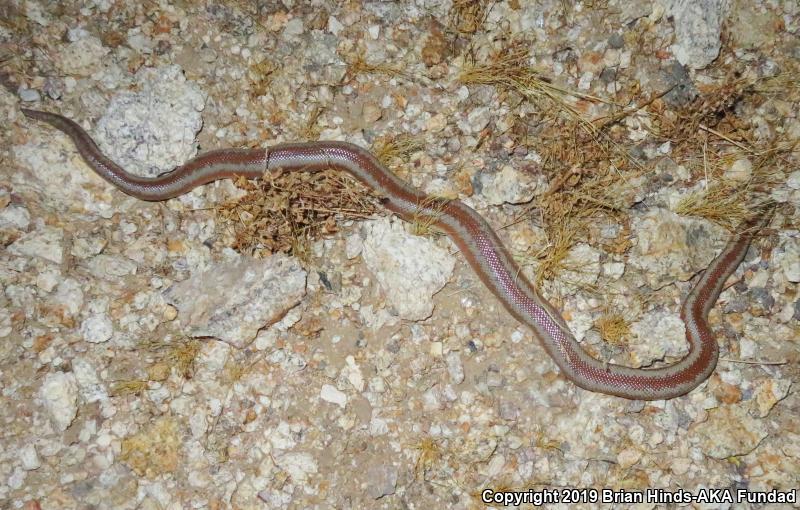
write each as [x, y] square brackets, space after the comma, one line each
[474, 237]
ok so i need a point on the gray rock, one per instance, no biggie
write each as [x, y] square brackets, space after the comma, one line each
[698, 24]
[151, 131]
[233, 300]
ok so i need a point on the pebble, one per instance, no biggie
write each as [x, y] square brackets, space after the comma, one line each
[334, 396]
[698, 25]
[97, 329]
[29, 95]
[29, 458]
[45, 242]
[740, 171]
[59, 394]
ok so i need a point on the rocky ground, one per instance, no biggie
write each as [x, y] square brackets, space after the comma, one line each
[146, 363]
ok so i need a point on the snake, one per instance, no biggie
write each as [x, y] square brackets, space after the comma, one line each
[475, 239]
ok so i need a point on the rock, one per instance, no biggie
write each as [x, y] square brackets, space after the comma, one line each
[29, 95]
[729, 431]
[454, 367]
[670, 247]
[768, 393]
[628, 457]
[59, 393]
[29, 457]
[353, 374]
[477, 119]
[789, 260]
[410, 269]
[44, 242]
[82, 57]
[297, 465]
[334, 396]
[658, 333]
[97, 328]
[233, 300]
[152, 130]
[698, 24]
[793, 181]
[382, 481]
[740, 171]
[508, 186]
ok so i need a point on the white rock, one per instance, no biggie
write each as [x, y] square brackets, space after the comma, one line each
[59, 394]
[353, 373]
[508, 186]
[454, 367]
[44, 243]
[153, 129]
[409, 269]
[15, 217]
[297, 465]
[5, 322]
[29, 457]
[793, 181]
[334, 396]
[69, 295]
[789, 260]
[90, 385]
[97, 329]
[658, 333]
[670, 247]
[82, 57]
[740, 171]
[334, 26]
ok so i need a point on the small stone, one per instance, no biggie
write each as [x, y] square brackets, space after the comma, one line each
[681, 465]
[353, 373]
[44, 243]
[297, 465]
[628, 457]
[382, 481]
[509, 185]
[740, 171]
[249, 294]
[768, 393]
[409, 269]
[29, 95]
[334, 396]
[97, 329]
[60, 395]
[698, 24]
[29, 457]
[454, 367]
[793, 181]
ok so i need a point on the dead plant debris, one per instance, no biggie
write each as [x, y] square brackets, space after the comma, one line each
[283, 212]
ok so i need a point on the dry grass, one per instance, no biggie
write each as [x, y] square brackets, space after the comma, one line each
[614, 328]
[589, 170]
[130, 387]
[430, 454]
[468, 16]
[284, 212]
[390, 148]
[261, 77]
[359, 65]
[423, 222]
